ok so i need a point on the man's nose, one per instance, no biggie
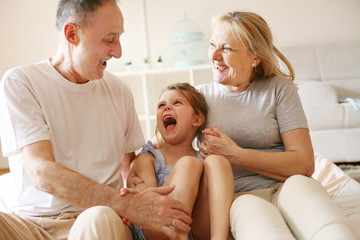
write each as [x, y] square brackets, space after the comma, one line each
[117, 50]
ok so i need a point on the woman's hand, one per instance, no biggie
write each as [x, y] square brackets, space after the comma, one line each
[217, 142]
[298, 157]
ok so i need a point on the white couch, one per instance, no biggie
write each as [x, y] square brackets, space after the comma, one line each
[323, 74]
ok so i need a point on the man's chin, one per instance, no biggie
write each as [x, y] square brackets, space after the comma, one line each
[220, 80]
[98, 75]
[101, 75]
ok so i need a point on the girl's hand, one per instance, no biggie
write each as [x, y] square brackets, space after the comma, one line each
[132, 182]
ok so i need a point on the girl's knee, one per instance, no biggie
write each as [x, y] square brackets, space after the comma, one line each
[190, 163]
[217, 162]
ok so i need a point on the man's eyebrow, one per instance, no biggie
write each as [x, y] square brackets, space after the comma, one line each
[113, 34]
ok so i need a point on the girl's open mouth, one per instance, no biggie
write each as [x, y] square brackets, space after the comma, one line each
[169, 122]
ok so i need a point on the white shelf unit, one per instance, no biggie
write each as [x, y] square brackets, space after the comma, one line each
[147, 86]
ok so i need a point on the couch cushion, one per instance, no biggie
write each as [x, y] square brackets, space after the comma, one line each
[323, 117]
[339, 61]
[304, 61]
[338, 145]
[332, 116]
[346, 87]
[352, 117]
[316, 93]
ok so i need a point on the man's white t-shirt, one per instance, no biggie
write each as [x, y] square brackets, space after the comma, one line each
[91, 126]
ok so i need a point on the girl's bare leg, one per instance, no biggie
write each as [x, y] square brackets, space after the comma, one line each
[214, 200]
[185, 176]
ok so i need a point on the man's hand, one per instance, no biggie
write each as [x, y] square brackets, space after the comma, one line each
[152, 209]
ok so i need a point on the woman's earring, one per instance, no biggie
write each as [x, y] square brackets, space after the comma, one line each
[253, 65]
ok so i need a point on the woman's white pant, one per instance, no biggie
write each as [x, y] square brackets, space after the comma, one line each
[302, 205]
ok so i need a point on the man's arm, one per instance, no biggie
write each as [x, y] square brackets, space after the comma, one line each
[63, 183]
[151, 208]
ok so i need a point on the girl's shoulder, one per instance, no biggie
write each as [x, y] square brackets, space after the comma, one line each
[142, 157]
[148, 151]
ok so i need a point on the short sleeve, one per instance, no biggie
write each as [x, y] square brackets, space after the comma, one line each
[289, 111]
[21, 118]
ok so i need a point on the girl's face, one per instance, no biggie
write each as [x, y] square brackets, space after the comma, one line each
[232, 64]
[176, 118]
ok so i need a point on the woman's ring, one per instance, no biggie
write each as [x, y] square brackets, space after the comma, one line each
[205, 151]
[173, 222]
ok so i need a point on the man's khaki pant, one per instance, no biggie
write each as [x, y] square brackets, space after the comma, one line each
[94, 223]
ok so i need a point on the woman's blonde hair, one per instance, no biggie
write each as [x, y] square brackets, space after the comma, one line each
[255, 34]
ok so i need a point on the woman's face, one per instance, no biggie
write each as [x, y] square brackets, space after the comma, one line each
[232, 64]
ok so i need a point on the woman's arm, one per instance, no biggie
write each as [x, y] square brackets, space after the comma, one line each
[298, 157]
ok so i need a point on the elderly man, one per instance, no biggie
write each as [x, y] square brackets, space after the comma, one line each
[66, 127]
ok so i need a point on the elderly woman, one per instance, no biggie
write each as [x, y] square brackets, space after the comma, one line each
[256, 121]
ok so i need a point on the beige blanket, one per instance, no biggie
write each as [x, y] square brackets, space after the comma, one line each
[329, 175]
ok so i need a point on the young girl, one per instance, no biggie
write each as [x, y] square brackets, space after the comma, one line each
[181, 115]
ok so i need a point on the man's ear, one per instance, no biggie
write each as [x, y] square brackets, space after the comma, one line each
[199, 120]
[71, 33]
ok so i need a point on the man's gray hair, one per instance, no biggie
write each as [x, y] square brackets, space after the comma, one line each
[79, 9]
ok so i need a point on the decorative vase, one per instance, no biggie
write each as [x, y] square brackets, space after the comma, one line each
[187, 43]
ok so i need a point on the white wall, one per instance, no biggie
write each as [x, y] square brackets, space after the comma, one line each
[28, 27]
[293, 22]
[28, 30]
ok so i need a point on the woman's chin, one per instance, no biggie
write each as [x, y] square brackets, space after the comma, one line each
[219, 77]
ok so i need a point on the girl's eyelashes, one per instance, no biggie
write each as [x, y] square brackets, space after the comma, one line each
[160, 105]
[175, 102]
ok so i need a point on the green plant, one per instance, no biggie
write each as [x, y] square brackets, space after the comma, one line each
[128, 63]
[159, 60]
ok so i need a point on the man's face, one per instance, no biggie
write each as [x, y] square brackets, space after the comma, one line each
[99, 41]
